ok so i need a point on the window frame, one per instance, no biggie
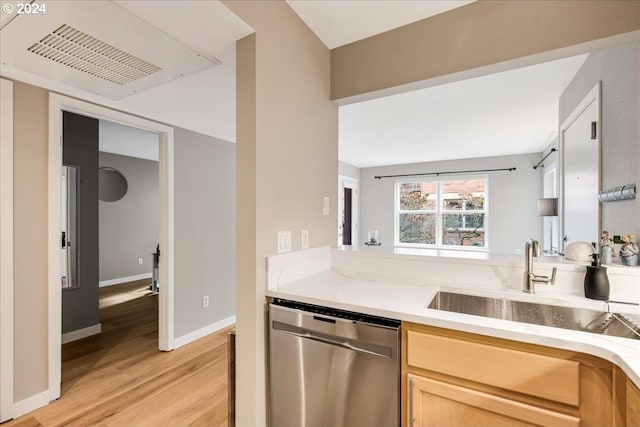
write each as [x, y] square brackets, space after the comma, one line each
[440, 212]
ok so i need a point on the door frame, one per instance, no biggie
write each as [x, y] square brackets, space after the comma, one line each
[594, 95]
[58, 104]
[6, 250]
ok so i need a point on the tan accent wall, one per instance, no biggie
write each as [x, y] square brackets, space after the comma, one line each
[31, 116]
[288, 133]
[248, 296]
[479, 34]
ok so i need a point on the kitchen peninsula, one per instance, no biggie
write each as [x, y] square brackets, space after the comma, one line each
[541, 374]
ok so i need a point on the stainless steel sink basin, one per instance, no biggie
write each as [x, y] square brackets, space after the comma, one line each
[578, 319]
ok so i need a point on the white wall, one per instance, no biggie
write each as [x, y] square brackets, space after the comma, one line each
[129, 227]
[512, 198]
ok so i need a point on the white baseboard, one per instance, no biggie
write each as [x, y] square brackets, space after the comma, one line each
[81, 333]
[30, 404]
[119, 280]
[203, 332]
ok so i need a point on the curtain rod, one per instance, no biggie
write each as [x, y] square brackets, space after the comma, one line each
[444, 173]
[553, 150]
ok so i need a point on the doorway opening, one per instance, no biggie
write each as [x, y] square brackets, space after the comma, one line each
[347, 211]
[58, 106]
[110, 236]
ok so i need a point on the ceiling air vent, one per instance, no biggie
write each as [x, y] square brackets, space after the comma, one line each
[97, 47]
[85, 53]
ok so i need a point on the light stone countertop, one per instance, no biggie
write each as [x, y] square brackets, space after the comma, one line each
[407, 302]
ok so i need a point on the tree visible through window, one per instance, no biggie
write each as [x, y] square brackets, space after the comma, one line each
[442, 213]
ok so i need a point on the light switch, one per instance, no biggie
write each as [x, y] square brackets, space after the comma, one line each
[325, 206]
[304, 239]
[284, 241]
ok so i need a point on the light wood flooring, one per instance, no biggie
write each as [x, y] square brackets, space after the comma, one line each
[119, 378]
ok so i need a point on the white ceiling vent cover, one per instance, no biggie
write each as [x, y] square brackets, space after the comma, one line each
[99, 47]
[78, 50]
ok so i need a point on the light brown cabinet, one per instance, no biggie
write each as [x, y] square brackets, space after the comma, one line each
[436, 403]
[633, 405]
[459, 379]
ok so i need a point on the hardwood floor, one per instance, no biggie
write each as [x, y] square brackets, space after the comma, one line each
[119, 378]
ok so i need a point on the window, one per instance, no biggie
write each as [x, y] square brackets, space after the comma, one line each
[442, 213]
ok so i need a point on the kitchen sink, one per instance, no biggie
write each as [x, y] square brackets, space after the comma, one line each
[577, 319]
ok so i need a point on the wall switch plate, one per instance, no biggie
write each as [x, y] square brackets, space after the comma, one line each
[284, 241]
[205, 301]
[325, 206]
[304, 239]
[140, 260]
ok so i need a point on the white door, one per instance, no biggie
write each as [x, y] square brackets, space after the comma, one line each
[581, 182]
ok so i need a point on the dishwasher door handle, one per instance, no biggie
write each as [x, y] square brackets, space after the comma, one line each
[373, 350]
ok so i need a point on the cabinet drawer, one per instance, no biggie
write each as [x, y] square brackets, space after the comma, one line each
[434, 403]
[533, 374]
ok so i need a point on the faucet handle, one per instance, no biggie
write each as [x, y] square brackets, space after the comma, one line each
[545, 280]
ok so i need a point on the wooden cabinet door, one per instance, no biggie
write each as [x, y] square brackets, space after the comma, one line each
[633, 405]
[434, 403]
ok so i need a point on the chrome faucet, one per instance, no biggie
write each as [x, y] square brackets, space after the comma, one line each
[532, 249]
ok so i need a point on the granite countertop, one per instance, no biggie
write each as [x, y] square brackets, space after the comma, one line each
[408, 302]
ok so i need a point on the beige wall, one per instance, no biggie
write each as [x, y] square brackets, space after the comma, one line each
[287, 132]
[479, 34]
[31, 117]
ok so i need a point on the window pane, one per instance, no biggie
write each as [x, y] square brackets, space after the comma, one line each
[463, 195]
[463, 230]
[417, 228]
[418, 196]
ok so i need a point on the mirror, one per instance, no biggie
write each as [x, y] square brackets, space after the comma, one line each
[69, 216]
[616, 68]
[112, 185]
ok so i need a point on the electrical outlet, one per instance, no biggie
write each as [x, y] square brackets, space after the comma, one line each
[140, 260]
[304, 239]
[205, 301]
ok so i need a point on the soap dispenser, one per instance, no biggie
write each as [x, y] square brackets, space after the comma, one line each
[596, 282]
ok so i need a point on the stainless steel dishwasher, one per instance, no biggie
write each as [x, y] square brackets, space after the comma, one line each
[332, 368]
